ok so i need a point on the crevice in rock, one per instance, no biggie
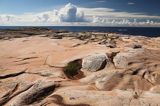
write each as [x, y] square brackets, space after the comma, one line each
[136, 71]
[43, 75]
[103, 65]
[45, 60]
[112, 55]
[26, 58]
[6, 97]
[12, 75]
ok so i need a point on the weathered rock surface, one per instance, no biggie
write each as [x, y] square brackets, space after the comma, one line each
[94, 62]
[31, 93]
[122, 60]
[111, 98]
[58, 68]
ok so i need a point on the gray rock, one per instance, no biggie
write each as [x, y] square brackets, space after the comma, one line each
[94, 62]
[122, 60]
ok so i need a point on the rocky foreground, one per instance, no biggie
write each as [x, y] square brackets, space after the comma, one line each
[42, 67]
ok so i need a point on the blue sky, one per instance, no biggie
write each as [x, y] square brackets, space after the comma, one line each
[151, 7]
[86, 11]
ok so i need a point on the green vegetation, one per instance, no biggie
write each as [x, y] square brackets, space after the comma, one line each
[72, 69]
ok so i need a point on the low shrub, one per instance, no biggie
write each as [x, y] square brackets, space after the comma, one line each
[72, 69]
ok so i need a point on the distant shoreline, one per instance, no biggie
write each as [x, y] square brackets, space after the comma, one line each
[140, 31]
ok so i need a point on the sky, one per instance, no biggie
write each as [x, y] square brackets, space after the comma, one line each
[80, 13]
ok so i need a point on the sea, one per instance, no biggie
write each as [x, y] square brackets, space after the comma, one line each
[136, 31]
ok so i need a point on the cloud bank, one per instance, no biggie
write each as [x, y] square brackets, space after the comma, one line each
[73, 15]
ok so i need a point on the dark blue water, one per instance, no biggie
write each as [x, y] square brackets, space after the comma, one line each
[144, 31]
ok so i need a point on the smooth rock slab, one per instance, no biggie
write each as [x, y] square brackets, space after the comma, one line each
[94, 62]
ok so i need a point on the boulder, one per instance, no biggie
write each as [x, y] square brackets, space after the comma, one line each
[122, 60]
[94, 62]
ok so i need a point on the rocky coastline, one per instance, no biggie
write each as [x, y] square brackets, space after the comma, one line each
[44, 67]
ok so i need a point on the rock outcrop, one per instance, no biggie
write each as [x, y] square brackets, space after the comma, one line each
[59, 68]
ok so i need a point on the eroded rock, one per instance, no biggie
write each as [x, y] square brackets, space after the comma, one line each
[94, 62]
[123, 59]
[35, 92]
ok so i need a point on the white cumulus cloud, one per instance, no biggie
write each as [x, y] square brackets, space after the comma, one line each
[70, 13]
